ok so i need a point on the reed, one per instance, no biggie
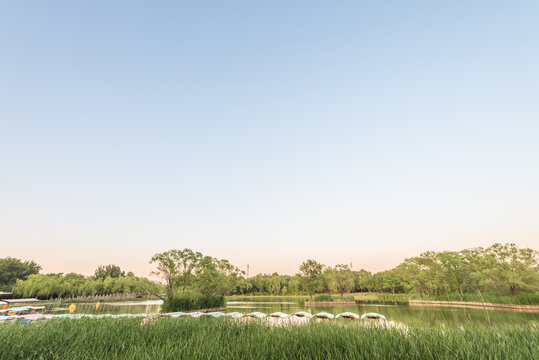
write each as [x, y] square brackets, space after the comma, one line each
[185, 338]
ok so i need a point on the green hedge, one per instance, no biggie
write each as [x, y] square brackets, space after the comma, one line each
[189, 300]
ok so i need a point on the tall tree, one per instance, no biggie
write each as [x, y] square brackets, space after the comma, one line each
[214, 276]
[113, 271]
[364, 280]
[311, 272]
[342, 279]
[12, 269]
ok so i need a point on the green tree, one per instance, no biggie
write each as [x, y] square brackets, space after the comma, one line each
[12, 269]
[216, 277]
[275, 284]
[112, 271]
[310, 273]
[342, 279]
[364, 280]
[176, 268]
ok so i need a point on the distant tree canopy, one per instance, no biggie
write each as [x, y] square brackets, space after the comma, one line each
[112, 271]
[310, 277]
[70, 285]
[12, 269]
[499, 270]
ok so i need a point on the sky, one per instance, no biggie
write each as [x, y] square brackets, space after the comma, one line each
[266, 132]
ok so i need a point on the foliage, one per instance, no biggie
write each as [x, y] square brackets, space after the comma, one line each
[176, 268]
[113, 271]
[324, 297]
[69, 285]
[12, 269]
[502, 273]
[341, 279]
[310, 276]
[202, 338]
[190, 300]
[329, 297]
[498, 270]
[194, 281]
[270, 284]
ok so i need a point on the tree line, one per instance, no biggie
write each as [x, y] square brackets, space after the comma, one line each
[500, 270]
[107, 280]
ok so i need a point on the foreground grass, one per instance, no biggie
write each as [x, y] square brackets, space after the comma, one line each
[228, 339]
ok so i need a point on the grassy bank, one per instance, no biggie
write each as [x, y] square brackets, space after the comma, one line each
[329, 297]
[521, 299]
[225, 339]
[373, 296]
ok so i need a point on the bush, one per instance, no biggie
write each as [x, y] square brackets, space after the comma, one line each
[190, 300]
[329, 297]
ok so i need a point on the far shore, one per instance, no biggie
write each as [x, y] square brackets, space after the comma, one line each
[477, 305]
[335, 302]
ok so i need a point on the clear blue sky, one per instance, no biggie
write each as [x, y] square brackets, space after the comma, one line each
[266, 133]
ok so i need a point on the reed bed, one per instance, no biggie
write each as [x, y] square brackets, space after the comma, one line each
[185, 338]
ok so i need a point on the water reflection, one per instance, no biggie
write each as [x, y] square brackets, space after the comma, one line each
[400, 312]
[112, 307]
[397, 311]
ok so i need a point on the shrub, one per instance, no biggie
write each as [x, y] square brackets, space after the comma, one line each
[329, 297]
[190, 300]
[323, 297]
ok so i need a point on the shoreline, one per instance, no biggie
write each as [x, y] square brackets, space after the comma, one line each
[477, 305]
[337, 302]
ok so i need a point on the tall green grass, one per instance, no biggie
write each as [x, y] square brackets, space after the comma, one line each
[203, 338]
[190, 300]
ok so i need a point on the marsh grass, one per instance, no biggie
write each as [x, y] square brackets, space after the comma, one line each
[203, 338]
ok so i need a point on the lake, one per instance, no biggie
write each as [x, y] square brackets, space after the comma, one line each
[400, 312]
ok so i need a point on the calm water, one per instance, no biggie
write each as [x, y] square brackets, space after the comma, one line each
[392, 311]
[112, 307]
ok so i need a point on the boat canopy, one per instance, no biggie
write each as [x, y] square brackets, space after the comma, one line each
[235, 315]
[279, 314]
[324, 315]
[348, 315]
[257, 314]
[373, 316]
[302, 314]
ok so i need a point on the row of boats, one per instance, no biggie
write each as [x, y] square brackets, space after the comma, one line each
[31, 313]
[300, 314]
